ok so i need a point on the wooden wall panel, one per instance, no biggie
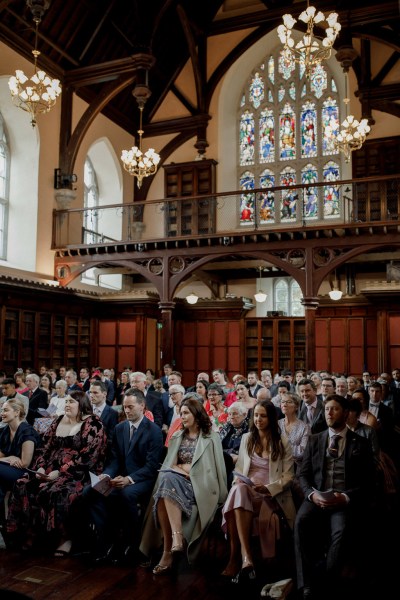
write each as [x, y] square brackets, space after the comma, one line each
[107, 332]
[127, 333]
[203, 359]
[106, 356]
[220, 335]
[321, 344]
[126, 357]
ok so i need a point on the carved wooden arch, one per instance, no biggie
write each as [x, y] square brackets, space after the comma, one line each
[68, 156]
[320, 273]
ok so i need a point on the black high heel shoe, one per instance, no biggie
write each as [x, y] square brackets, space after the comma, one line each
[247, 571]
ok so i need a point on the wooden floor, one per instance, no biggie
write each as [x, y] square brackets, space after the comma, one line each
[45, 577]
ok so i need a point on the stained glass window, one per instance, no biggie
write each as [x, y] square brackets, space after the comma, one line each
[288, 123]
[247, 200]
[4, 186]
[267, 136]
[289, 197]
[271, 69]
[308, 127]
[247, 139]
[267, 200]
[330, 126]
[286, 65]
[256, 90]
[309, 174]
[331, 174]
[318, 80]
[287, 133]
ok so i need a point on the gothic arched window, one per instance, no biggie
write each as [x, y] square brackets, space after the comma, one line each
[286, 138]
[287, 297]
[91, 200]
[4, 187]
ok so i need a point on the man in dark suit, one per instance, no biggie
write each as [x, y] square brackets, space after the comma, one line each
[37, 397]
[71, 377]
[85, 379]
[108, 416]
[153, 399]
[386, 422]
[132, 470]
[311, 410]
[337, 477]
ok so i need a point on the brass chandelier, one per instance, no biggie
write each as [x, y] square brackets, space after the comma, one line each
[39, 93]
[140, 164]
[310, 50]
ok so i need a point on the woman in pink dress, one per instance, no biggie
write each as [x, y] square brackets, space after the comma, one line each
[264, 472]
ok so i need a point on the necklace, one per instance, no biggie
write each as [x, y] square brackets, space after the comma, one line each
[191, 438]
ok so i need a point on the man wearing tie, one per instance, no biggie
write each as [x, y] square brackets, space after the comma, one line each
[107, 415]
[337, 477]
[37, 397]
[311, 410]
[136, 453]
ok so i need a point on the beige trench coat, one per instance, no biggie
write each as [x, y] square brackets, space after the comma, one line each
[208, 478]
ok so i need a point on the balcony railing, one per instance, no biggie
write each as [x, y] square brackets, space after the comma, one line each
[327, 204]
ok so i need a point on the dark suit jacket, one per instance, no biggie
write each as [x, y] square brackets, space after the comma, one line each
[39, 399]
[167, 411]
[140, 458]
[73, 388]
[359, 466]
[319, 422]
[155, 405]
[109, 418]
[86, 385]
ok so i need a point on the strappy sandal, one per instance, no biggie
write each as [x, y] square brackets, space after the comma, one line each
[162, 569]
[176, 547]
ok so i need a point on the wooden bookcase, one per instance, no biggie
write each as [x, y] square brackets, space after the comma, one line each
[31, 338]
[191, 217]
[275, 344]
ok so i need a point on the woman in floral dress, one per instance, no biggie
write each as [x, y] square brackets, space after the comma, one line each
[74, 445]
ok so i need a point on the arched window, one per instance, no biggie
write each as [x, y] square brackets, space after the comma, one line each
[4, 187]
[287, 297]
[286, 138]
[91, 217]
[91, 200]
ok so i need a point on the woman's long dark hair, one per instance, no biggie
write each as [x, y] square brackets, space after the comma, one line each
[85, 406]
[273, 433]
[200, 416]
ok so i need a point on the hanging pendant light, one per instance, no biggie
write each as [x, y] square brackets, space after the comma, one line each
[192, 298]
[260, 296]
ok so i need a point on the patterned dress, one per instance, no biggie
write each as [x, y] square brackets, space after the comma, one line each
[38, 507]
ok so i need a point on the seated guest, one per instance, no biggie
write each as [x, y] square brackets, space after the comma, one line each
[243, 394]
[221, 379]
[37, 397]
[191, 485]
[216, 412]
[340, 460]
[20, 385]
[202, 388]
[283, 390]
[153, 399]
[73, 445]
[232, 397]
[132, 469]
[57, 403]
[231, 435]
[18, 441]
[46, 384]
[107, 415]
[122, 388]
[266, 459]
[366, 417]
[297, 433]
[176, 425]
[176, 393]
[10, 393]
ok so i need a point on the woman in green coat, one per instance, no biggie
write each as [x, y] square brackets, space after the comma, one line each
[188, 491]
